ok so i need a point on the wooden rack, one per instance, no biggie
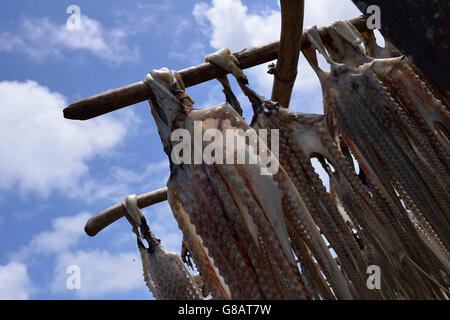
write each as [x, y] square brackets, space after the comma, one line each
[287, 51]
[134, 93]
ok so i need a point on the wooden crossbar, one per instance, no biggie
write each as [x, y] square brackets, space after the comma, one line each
[114, 213]
[122, 97]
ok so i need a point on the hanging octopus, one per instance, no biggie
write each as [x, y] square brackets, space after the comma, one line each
[263, 219]
[390, 51]
[345, 49]
[305, 135]
[231, 216]
[165, 274]
[314, 196]
[361, 100]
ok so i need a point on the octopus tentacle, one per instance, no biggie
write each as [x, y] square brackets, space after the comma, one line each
[315, 281]
[239, 226]
[393, 162]
[318, 201]
[404, 76]
[211, 277]
[304, 225]
[292, 164]
[428, 195]
[208, 217]
[379, 136]
[278, 260]
[317, 246]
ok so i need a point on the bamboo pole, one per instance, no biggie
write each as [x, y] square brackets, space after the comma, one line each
[289, 50]
[103, 219]
[119, 98]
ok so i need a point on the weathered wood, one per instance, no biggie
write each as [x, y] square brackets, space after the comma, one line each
[420, 30]
[289, 50]
[108, 101]
[119, 98]
[247, 58]
[114, 213]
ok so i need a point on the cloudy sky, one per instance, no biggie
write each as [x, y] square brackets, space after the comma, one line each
[56, 173]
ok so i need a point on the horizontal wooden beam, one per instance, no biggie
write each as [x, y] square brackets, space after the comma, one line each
[119, 98]
[103, 219]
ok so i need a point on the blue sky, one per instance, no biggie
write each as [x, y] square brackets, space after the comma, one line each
[56, 173]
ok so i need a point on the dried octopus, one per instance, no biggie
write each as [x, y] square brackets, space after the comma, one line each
[252, 256]
[165, 274]
[362, 104]
[263, 219]
[303, 136]
[311, 190]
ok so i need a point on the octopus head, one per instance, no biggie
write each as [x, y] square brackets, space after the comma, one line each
[167, 101]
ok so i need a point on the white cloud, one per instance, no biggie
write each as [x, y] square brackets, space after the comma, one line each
[66, 233]
[233, 27]
[40, 150]
[121, 182]
[40, 38]
[102, 273]
[15, 283]
[229, 24]
[324, 12]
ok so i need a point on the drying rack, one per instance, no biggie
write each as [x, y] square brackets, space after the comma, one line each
[286, 52]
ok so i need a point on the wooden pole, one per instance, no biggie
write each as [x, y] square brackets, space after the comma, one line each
[114, 213]
[289, 50]
[119, 98]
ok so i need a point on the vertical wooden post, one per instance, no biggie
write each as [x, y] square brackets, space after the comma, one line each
[289, 51]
